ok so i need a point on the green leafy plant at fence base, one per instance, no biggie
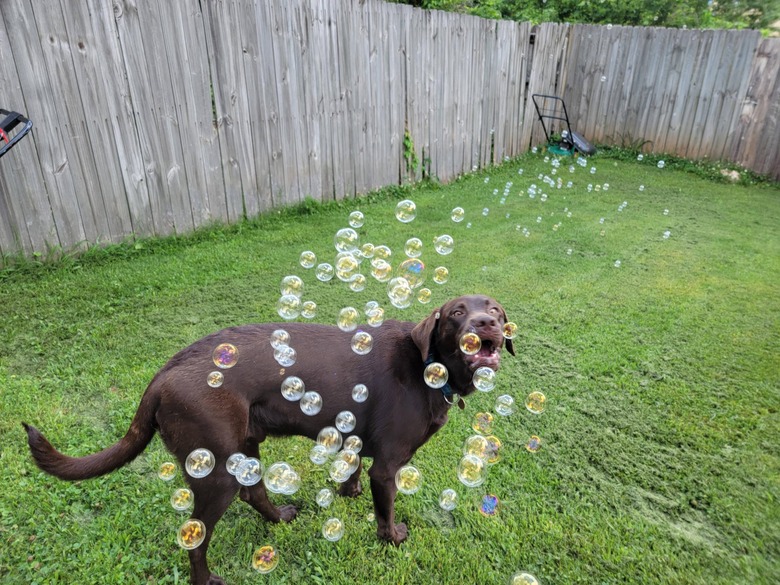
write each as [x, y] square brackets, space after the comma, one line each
[410, 155]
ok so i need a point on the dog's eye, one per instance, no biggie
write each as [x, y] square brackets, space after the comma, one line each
[494, 310]
[457, 313]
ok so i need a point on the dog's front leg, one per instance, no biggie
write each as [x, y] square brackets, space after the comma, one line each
[383, 491]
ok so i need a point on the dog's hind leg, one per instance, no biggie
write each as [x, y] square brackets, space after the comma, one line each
[257, 496]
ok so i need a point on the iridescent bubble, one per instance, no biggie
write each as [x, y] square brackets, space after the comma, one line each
[288, 307]
[353, 443]
[311, 403]
[277, 476]
[382, 252]
[285, 356]
[346, 240]
[291, 482]
[346, 266]
[381, 270]
[472, 471]
[405, 211]
[330, 438]
[436, 375]
[375, 317]
[360, 393]
[293, 388]
[477, 445]
[324, 497]
[470, 343]
[233, 461]
[225, 356]
[167, 471]
[191, 534]
[345, 421]
[215, 379]
[362, 343]
[324, 272]
[370, 306]
[535, 402]
[292, 285]
[494, 449]
[505, 405]
[413, 247]
[400, 293]
[525, 578]
[348, 319]
[356, 219]
[308, 259]
[367, 250]
[351, 458]
[661, 164]
[408, 479]
[318, 455]
[339, 471]
[249, 471]
[448, 499]
[265, 559]
[533, 444]
[333, 529]
[510, 328]
[358, 283]
[441, 275]
[199, 463]
[413, 270]
[309, 309]
[424, 296]
[444, 244]
[279, 338]
[483, 423]
[182, 499]
[666, 212]
[457, 214]
[617, 263]
[484, 379]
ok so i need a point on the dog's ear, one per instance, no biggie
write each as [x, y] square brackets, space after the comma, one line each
[507, 342]
[422, 334]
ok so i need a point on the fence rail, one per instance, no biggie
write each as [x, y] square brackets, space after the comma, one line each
[155, 117]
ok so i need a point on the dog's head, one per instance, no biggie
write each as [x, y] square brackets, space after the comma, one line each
[438, 337]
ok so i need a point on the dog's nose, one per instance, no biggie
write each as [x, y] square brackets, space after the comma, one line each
[483, 320]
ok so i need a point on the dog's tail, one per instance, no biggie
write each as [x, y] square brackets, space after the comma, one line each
[136, 439]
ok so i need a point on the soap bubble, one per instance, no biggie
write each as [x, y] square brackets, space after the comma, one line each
[400, 293]
[489, 505]
[640, 157]
[346, 266]
[167, 471]
[249, 471]
[413, 247]
[381, 270]
[494, 449]
[667, 234]
[308, 259]
[535, 402]
[356, 219]
[525, 578]
[225, 356]
[424, 296]
[324, 272]
[318, 455]
[444, 244]
[408, 479]
[413, 270]
[661, 164]
[375, 317]
[288, 307]
[617, 263]
[505, 405]
[448, 499]
[405, 211]
[483, 423]
[348, 319]
[233, 461]
[382, 252]
[311, 403]
[339, 471]
[277, 477]
[346, 240]
[441, 275]
[191, 534]
[603, 78]
[279, 338]
[470, 343]
[359, 393]
[362, 343]
[353, 443]
[533, 444]
[309, 310]
[285, 356]
[265, 559]
[351, 458]
[182, 499]
[292, 285]
[367, 250]
[330, 438]
[458, 214]
[324, 497]
[345, 421]
[293, 388]
[215, 379]
[477, 445]
[510, 328]
[436, 375]
[333, 529]
[472, 471]
[484, 379]
[199, 463]
[666, 212]
[358, 283]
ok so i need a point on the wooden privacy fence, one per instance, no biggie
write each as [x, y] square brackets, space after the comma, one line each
[155, 117]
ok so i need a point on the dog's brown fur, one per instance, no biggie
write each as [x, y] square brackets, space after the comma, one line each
[400, 415]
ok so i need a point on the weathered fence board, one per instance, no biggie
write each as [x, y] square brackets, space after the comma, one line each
[159, 117]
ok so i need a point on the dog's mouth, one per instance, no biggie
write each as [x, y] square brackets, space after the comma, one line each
[489, 355]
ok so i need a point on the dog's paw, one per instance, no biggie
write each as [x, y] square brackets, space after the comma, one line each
[396, 536]
[215, 580]
[351, 489]
[287, 513]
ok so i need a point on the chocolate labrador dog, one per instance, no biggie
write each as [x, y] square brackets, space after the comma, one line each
[400, 414]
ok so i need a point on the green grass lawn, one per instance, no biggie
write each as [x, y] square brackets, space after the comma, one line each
[660, 460]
